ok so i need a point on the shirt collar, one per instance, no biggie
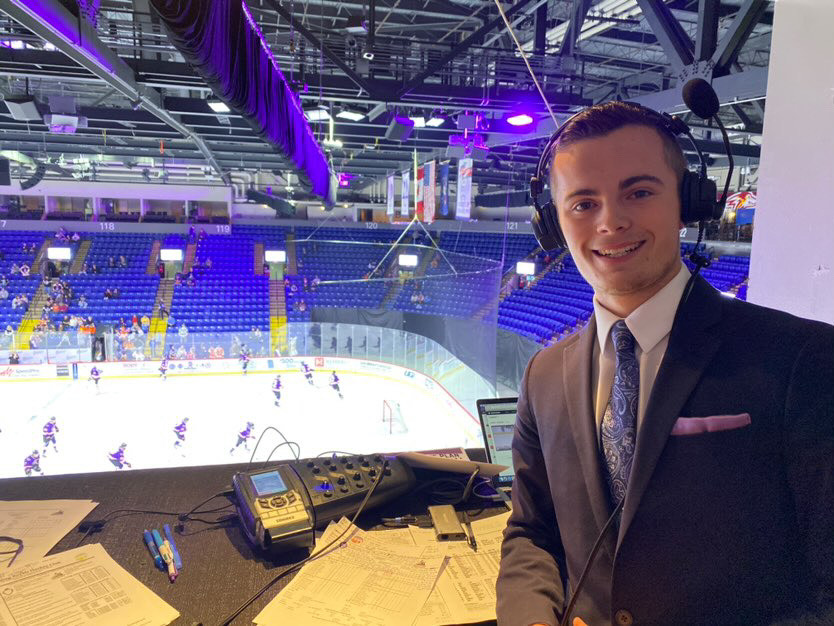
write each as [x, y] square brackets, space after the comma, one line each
[652, 320]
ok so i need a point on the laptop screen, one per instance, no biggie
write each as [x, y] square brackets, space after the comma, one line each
[497, 417]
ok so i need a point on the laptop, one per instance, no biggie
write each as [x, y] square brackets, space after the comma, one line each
[497, 416]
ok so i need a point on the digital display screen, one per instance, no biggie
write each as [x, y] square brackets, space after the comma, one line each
[498, 421]
[268, 483]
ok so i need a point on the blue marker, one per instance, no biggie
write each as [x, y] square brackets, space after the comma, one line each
[170, 538]
[154, 552]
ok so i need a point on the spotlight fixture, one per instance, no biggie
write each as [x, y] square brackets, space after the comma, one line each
[522, 119]
[218, 106]
[419, 121]
[317, 115]
[435, 120]
[368, 54]
[353, 116]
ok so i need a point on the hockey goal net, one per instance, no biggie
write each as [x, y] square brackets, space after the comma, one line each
[392, 418]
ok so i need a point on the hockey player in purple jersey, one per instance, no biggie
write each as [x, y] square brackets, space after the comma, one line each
[179, 431]
[244, 358]
[95, 374]
[32, 463]
[334, 384]
[308, 372]
[276, 390]
[163, 369]
[49, 430]
[117, 458]
[243, 436]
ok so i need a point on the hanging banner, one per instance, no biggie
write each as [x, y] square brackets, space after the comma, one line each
[418, 193]
[390, 207]
[429, 185]
[444, 189]
[404, 208]
[463, 202]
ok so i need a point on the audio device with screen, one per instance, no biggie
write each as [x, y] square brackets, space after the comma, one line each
[280, 507]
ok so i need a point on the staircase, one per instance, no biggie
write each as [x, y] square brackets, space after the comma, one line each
[419, 274]
[259, 259]
[150, 270]
[159, 326]
[32, 317]
[292, 264]
[37, 264]
[507, 286]
[277, 318]
[190, 253]
[80, 257]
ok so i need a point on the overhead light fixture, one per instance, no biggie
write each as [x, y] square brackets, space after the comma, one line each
[525, 268]
[435, 121]
[332, 143]
[522, 119]
[368, 54]
[353, 116]
[317, 115]
[218, 106]
[419, 121]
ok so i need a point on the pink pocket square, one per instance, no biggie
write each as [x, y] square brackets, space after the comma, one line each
[712, 424]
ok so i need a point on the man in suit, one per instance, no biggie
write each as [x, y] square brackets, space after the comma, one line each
[704, 424]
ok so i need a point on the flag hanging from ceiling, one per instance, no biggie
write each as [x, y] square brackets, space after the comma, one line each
[390, 207]
[404, 201]
[464, 195]
[418, 193]
[444, 189]
[429, 184]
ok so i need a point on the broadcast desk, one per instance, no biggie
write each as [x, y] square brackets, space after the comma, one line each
[220, 570]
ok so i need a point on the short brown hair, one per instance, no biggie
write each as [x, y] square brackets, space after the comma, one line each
[602, 119]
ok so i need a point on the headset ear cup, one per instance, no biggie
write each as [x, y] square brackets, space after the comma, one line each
[546, 228]
[698, 198]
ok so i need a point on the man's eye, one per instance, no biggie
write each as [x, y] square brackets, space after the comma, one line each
[642, 193]
[582, 206]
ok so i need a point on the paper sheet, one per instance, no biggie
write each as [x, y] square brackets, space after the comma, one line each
[448, 464]
[369, 581]
[40, 524]
[465, 590]
[79, 587]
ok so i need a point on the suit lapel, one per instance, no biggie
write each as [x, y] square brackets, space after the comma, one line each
[577, 384]
[693, 342]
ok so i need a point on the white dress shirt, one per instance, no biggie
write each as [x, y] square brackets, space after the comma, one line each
[650, 323]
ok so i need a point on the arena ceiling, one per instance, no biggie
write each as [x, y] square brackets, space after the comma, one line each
[148, 117]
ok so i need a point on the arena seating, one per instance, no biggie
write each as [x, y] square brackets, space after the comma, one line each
[227, 298]
[11, 253]
[490, 245]
[137, 289]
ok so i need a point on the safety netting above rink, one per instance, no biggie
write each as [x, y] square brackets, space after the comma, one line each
[406, 302]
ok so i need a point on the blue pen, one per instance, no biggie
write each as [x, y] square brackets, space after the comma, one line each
[154, 552]
[177, 559]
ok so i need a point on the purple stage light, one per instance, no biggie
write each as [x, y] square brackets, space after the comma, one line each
[522, 119]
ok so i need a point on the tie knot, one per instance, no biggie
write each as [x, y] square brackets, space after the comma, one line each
[622, 337]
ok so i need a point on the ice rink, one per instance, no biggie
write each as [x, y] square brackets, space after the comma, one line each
[142, 413]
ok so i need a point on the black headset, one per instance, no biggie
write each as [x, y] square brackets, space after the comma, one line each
[697, 192]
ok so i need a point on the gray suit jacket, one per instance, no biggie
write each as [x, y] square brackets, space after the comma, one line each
[729, 527]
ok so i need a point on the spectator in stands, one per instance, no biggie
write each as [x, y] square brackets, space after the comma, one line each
[122, 261]
[266, 269]
[202, 233]
[145, 323]
[3, 280]
[73, 322]
[183, 331]
[4, 294]
[94, 269]
[191, 282]
[108, 294]
[14, 358]
[116, 293]
[178, 279]
[333, 345]
[111, 262]
[160, 269]
[208, 263]
[15, 269]
[315, 283]
[82, 301]
[76, 237]
[161, 311]
[302, 306]
[349, 345]
[192, 234]
[202, 352]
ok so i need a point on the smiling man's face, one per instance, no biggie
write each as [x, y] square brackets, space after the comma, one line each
[619, 207]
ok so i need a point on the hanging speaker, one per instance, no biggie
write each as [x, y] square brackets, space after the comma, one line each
[399, 129]
[5, 176]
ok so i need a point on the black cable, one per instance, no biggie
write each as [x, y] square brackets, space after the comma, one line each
[323, 552]
[468, 488]
[296, 453]
[586, 570]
